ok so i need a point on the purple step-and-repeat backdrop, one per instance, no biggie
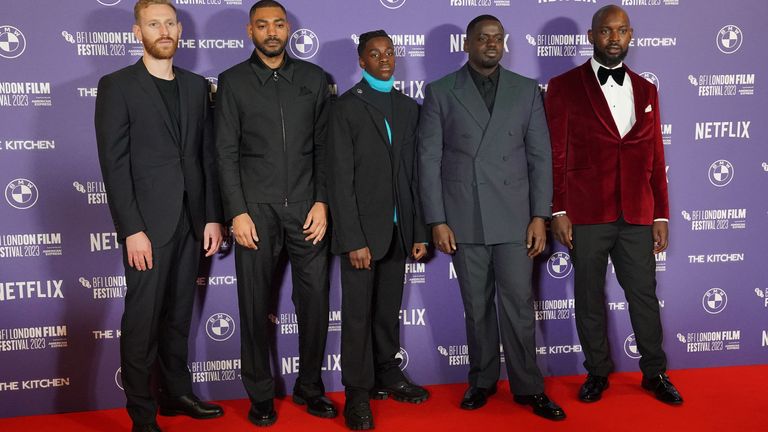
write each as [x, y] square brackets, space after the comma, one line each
[61, 279]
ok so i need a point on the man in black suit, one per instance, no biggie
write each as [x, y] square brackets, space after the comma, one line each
[376, 223]
[156, 154]
[270, 137]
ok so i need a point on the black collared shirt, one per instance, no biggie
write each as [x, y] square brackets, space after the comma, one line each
[486, 85]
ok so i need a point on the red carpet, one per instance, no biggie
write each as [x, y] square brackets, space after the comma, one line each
[722, 399]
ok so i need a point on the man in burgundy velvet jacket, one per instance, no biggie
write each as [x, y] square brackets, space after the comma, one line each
[610, 198]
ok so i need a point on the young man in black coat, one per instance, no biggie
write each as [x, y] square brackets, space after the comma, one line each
[377, 222]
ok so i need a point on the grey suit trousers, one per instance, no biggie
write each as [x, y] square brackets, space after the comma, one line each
[483, 271]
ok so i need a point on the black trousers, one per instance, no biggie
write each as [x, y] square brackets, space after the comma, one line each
[280, 227]
[631, 250]
[486, 272]
[155, 324]
[370, 321]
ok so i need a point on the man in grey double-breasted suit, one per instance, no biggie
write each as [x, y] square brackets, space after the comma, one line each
[486, 187]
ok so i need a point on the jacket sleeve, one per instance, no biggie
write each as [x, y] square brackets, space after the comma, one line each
[228, 151]
[114, 146]
[539, 156]
[320, 138]
[557, 118]
[430, 155]
[347, 229]
[659, 174]
[420, 232]
[213, 210]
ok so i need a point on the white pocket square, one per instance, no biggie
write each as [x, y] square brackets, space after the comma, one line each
[648, 109]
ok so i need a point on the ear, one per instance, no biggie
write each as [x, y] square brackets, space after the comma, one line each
[589, 36]
[361, 63]
[178, 23]
[137, 32]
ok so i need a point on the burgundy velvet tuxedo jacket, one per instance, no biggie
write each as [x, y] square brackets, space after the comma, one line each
[598, 175]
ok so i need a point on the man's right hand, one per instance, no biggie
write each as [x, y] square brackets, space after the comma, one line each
[139, 251]
[361, 258]
[244, 231]
[562, 230]
[443, 237]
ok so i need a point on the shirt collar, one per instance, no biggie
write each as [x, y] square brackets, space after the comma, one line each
[265, 73]
[478, 78]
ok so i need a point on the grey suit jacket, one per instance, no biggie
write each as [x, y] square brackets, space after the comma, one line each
[484, 174]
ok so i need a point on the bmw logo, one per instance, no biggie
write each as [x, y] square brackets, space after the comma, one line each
[720, 173]
[392, 4]
[559, 265]
[12, 42]
[220, 327]
[729, 39]
[651, 78]
[403, 356]
[21, 193]
[304, 44]
[630, 347]
[714, 300]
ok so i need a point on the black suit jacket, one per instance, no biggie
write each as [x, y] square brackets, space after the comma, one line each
[368, 177]
[147, 163]
[270, 133]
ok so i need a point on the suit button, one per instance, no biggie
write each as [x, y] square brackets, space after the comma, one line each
[474, 183]
[506, 182]
[511, 132]
[505, 158]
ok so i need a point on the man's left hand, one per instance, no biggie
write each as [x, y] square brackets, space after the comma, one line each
[418, 251]
[660, 236]
[537, 236]
[213, 235]
[316, 223]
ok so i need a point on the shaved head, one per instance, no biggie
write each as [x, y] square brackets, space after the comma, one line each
[598, 16]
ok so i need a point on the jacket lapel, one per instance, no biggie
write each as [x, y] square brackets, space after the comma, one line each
[184, 100]
[469, 97]
[377, 118]
[640, 96]
[506, 96]
[149, 87]
[597, 99]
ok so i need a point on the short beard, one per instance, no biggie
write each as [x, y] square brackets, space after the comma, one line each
[606, 60]
[156, 52]
[263, 49]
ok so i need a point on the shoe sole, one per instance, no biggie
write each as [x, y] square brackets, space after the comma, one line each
[173, 413]
[653, 392]
[322, 414]
[365, 426]
[383, 395]
[262, 423]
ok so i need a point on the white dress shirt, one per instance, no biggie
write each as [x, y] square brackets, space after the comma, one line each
[620, 98]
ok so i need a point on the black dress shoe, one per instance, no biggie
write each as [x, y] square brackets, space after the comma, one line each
[358, 415]
[476, 397]
[262, 413]
[542, 406]
[663, 389]
[403, 391]
[152, 427]
[190, 405]
[319, 405]
[593, 388]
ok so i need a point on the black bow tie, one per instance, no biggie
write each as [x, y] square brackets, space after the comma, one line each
[617, 74]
